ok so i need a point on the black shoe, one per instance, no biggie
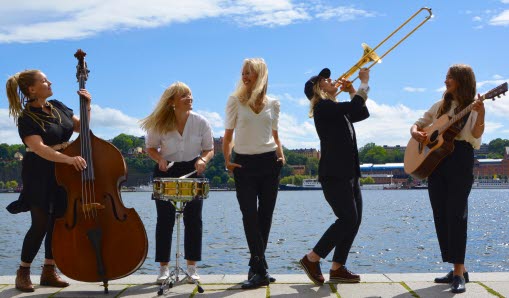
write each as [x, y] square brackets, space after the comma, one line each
[447, 279]
[458, 284]
[251, 273]
[256, 281]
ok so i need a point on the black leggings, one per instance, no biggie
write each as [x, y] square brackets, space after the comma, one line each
[42, 225]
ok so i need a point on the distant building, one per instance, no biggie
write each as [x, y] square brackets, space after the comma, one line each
[298, 169]
[397, 148]
[483, 151]
[307, 152]
[18, 156]
[218, 145]
[491, 167]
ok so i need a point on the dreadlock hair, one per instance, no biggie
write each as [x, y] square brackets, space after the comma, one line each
[17, 91]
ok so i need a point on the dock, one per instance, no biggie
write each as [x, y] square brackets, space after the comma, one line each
[400, 285]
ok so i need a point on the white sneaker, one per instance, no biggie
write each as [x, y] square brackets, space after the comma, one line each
[193, 272]
[164, 273]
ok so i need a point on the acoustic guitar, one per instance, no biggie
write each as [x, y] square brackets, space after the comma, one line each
[422, 158]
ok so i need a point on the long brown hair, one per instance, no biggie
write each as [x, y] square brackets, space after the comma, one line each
[465, 93]
[17, 91]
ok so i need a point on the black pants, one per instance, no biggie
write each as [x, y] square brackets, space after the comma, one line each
[344, 197]
[449, 187]
[166, 219]
[257, 185]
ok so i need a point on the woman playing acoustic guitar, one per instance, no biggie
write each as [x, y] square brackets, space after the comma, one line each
[450, 182]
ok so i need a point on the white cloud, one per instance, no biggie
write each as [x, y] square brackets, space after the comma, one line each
[29, 21]
[500, 20]
[107, 123]
[505, 1]
[387, 125]
[342, 13]
[413, 89]
[477, 19]
[8, 130]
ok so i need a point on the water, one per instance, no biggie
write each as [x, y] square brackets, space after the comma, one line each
[397, 233]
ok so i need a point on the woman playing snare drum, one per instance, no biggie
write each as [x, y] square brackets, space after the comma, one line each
[178, 135]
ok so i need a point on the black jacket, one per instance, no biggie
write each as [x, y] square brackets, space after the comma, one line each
[338, 144]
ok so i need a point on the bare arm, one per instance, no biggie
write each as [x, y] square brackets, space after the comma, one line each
[36, 145]
[478, 129]
[202, 161]
[227, 150]
[279, 150]
[156, 156]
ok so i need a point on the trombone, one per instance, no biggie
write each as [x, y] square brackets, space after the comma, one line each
[371, 56]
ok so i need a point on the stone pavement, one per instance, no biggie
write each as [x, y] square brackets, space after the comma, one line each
[399, 285]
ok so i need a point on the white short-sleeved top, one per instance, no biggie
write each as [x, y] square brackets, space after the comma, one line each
[197, 136]
[465, 134]
[253, 132]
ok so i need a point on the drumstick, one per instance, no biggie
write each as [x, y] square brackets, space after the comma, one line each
[170, 164]
[187, 175]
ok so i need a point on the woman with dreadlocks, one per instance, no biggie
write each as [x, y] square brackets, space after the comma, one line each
[45, 127]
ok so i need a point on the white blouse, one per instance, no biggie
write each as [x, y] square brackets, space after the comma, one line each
[465, 134]
[197, 136]
[253, 132]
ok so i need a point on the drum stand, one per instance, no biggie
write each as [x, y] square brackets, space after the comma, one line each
[174, 277]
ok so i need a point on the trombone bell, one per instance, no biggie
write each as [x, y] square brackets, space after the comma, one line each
[371, 56]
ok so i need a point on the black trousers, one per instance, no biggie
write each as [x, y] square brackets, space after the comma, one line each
[449, 187]
[344, 197]
[166, 219]
[257, 185]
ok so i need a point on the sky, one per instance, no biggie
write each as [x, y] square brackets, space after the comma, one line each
[136, 49]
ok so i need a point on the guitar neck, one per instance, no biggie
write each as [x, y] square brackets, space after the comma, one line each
[456, 118]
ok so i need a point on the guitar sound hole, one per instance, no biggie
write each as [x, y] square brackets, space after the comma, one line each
[433, 137]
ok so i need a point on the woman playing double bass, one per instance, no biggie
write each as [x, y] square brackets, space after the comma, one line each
[45, 126]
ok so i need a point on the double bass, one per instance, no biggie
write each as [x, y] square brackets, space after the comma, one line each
[98, 239]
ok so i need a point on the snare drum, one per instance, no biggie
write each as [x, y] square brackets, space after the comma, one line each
[181, 189]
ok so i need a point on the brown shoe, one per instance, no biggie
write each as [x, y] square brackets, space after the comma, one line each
[50, 277]
[23, 282]
[313, 270]
[343, 275]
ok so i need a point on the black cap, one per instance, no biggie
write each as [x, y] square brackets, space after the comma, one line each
[308, 87]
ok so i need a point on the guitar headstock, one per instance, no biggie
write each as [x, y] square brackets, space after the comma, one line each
[496, 92]
[81, 69]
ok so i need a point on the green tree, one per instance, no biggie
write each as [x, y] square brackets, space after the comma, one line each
[498, 146]
[216, 181]
[2, 185]
[231, 183]
[4, 151]
[123, 142]
[376, 155]
[367, 180]
[312, 166]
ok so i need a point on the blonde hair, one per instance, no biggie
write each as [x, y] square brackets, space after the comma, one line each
[466, 91]
[162, 120]
[319, 94]
[260, 89]
[17, 91]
